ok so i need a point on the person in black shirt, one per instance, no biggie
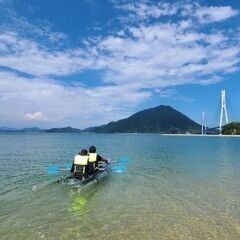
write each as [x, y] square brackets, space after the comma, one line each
[94, 160]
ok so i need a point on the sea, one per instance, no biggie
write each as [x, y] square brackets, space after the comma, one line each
[175, 188]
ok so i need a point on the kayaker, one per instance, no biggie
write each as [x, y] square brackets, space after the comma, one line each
[94, 159]
[80, 165]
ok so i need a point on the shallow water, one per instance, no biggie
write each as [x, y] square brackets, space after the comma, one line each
[174, 188]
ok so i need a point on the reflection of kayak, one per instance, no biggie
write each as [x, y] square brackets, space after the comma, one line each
[104, 171]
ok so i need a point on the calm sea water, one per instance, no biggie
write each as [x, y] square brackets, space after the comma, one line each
[175, 188]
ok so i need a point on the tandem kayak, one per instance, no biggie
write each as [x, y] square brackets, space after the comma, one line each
[102, 173]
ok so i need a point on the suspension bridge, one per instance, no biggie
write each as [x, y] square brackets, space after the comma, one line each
[223, 114]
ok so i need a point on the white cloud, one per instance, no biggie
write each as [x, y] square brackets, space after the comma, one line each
[37, 116]
[57, 36]
[64, 105]
[139, 52]
[142, 10]
[215, 14]
[28, 56]
[164, 55]
[145, 10]
[173, 94]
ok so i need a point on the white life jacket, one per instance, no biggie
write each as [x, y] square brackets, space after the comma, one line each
[92, 157]
[80, 161]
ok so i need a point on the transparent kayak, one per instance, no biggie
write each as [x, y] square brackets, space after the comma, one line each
[102, 173]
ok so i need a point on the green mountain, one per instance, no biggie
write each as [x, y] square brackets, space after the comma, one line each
[63, 130]
[231, 129]
[33, 129]
[24, 130]
[6, 129]
[161, 119]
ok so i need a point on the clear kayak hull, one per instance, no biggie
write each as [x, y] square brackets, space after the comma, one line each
[95, 178]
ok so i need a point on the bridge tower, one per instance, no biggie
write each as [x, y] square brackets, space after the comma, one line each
[204, 124]
[223, 110]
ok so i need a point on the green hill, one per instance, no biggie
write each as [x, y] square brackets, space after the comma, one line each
[161, 119]
[63, 130]
[231, 129]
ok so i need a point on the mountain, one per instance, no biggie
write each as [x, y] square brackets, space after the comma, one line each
[33, 129]
[27, 130]
[5, 129]
[36, 130]
[63, 130]
[231, 129]
[161, 119]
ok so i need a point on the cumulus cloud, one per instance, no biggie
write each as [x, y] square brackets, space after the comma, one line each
[79, 106]
[143, 10]
[37, 116]
[215, 14]
[25, 55]
[163, 55]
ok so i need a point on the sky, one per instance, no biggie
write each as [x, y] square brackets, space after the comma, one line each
[85, 63]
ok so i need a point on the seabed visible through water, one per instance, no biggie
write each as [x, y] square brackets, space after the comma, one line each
[174, 188]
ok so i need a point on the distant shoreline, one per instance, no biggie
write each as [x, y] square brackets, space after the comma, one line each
[161, 134]
[198, 135]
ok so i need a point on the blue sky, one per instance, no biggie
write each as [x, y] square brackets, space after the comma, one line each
[85, 63]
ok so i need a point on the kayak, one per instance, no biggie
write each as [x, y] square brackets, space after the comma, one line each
[102, 173]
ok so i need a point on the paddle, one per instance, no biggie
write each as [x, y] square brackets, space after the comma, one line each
[119, 169]
[57, 169]
[67, 167]
[124, 160]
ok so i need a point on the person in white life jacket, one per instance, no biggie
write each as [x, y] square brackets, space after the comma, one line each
[80, 165]
[94, 159]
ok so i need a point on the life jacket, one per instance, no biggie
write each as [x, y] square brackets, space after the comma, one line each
[80, 163]
[92, 157]
[92, 160]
